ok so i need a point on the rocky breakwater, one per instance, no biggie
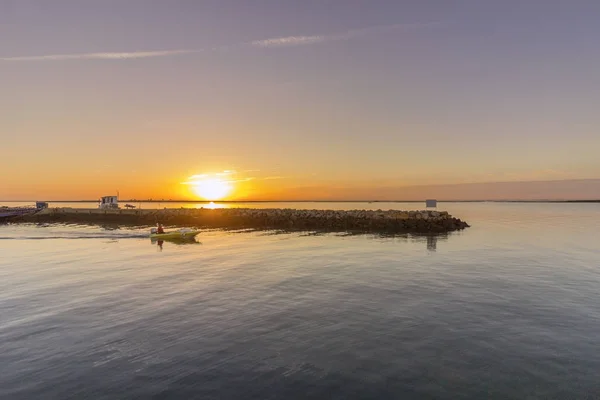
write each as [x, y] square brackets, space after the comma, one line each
[377, 221]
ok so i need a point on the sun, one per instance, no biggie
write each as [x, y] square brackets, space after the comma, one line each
[212, 189]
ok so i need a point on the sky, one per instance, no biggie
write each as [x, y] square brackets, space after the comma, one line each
[300, 99]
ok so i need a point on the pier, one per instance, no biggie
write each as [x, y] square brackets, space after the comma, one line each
[373, 221]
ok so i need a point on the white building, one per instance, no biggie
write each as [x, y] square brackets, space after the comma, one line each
[109, 202]
[431, 203]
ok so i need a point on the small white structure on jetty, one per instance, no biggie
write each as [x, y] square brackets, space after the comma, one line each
[109, 202]
[430, 203]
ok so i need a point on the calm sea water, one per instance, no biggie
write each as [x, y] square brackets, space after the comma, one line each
[507, 309]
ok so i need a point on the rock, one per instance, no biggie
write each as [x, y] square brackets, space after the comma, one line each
[389, 221]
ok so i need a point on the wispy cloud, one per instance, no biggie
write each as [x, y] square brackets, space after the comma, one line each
[286, 41]
[304, 40]
[228, 176]
[101, 56]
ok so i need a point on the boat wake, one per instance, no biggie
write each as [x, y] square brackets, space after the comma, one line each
[79, 236]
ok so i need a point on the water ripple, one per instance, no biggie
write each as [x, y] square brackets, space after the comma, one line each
[507, 309]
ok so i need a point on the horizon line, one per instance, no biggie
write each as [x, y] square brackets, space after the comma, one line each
[320, 201]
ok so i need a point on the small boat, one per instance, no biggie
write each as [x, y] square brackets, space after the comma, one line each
[181, 234]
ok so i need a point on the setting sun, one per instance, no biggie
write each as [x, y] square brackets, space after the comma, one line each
[212, 189]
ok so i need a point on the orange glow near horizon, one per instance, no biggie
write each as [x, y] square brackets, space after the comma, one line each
[247, 184]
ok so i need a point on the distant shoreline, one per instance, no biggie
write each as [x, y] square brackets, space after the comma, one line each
[308, 201]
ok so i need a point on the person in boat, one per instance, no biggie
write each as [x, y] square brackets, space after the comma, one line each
[159, 228]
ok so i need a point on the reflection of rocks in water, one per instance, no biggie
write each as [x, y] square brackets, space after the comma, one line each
[432, 243]
[432, 240]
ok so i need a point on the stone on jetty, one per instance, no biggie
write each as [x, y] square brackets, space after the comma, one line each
[376, 221]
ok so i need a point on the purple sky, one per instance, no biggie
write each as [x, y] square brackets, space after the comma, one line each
[357, 93]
